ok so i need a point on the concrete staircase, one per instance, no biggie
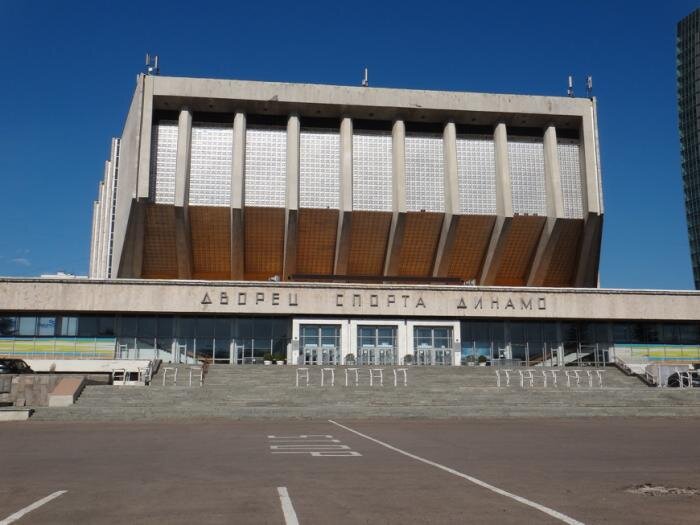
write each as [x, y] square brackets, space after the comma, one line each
[432, 392]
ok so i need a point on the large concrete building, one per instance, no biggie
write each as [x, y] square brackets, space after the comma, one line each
[687, 70]
[328, 224]
[216, 179]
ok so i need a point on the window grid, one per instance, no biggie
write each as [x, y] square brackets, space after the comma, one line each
[163, 156]
[266, 167]
[476, 173]
[319, 169]
[425, 184]
[210, 165]
[570, 170]
[526, 160]
[372, 170]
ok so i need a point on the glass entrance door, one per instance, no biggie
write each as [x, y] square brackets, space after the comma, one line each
[432, 345]
[376, 345]
[320, 344]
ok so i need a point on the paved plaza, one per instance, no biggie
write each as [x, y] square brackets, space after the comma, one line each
[351, 471]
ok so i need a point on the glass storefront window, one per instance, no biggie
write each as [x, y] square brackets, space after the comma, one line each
[27, 326]
[8, 326]
[69, 326]
[47, 326]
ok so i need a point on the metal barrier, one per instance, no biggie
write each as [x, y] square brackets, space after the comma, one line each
[323, 375]
[199, 369]
[405, 377]
[357, 375]
[302, 372]
[170, 369]
[376, 373]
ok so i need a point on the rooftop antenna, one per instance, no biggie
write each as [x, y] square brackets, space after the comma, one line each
[152, 67]
[365, 80]
[589, 86]
[570, 88]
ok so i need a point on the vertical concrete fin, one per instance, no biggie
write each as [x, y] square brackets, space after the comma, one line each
[555, 210]
[143, 167]
[342, 246]
[398, 187]
[504, 207]
[238, 197]
[292, 201]
[451, 183]
[182, 184]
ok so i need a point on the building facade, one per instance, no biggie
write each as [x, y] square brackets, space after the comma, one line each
[237, 221]
[234, 180]
[687, 70]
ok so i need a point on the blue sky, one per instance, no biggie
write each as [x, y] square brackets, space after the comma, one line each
[68, 71]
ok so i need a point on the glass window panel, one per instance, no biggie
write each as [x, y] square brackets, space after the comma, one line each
[69, 326]
[476, 172]
[526, 160]
[210, 164]
[425, 182]
[87, 326]
[222, 328]
[266, 167]
[147, 326]
[319, 169]
[570, 173]
[105, 326]
[165, 326]
[47, 326]
[185, 327]
[128, 326]
[163, 156]
[205, 327]
[8, 326]
[371, 171]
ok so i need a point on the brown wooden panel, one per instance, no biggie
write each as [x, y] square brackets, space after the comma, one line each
[420, 239]
[520, 245]
[159, 248]
[210, 229]
[316, 239]
[469, 247]
[562, 268]
[264, 242]
[369, 234]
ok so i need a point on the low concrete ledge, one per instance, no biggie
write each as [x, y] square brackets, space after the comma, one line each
[66, 392]
[15, 414]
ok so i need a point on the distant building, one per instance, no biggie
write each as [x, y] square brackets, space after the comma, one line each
[688, 77]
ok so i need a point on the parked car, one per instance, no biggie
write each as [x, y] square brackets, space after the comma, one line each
[675, 381]
[11, 365]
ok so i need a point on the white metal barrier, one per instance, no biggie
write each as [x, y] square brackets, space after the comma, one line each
[405, 377]
[323, 375]
[165, 374]
[357, 375]
[302, 372]
[376, 373]
[201, 374]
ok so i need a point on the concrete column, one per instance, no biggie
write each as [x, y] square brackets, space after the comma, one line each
[587, 271]
[93, 237]
[107, 217]
[100, 231]
[292, 204]
[551, 232]
[449, 225]
[144, 152]
[238, 197]
[504, 207]
[398, 183]
[183, 243]
[342, 245]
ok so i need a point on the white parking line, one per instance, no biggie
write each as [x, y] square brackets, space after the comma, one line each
[26, 510]
[290, 517]
[551, 512]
